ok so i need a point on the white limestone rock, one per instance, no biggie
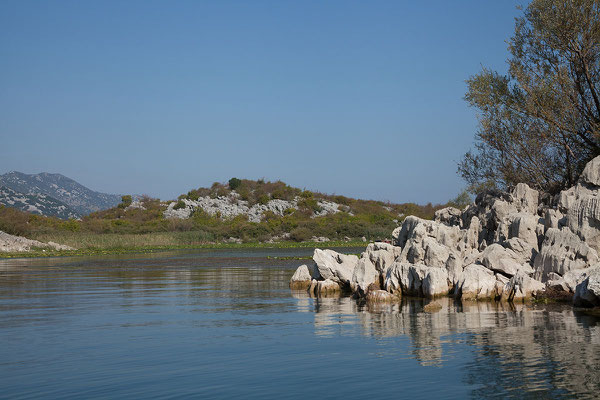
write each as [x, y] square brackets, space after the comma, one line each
[477, 282]
[523, 249]
[587, 293]
[525, 198]
[12, 243]
[416, 280]
[335, 266]
[379, 296]
[303, 277]
[523, 226]
[450, 216]
[327, 287]
[562, 251]
[365, 274]
[382, 255]
[505, 261]
[522, 286]
[591, 173]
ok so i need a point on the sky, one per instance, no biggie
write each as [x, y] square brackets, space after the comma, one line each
[358, 98]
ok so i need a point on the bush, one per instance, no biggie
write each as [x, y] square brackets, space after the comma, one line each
[234, 183]
[126, 201]
[180, 204]
[301, 234]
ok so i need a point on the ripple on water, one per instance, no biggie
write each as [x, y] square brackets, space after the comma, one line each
[224, 324]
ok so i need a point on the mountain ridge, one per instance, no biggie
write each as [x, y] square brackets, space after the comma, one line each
[60, 195]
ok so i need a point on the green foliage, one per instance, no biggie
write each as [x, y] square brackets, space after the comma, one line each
[179, 205]
[372, 219]
[234, 183]
[461, 201]
[126, 201]
[301, 234]
[540, 123]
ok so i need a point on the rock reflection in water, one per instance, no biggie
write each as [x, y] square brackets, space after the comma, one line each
[548, 348]
[196, 322]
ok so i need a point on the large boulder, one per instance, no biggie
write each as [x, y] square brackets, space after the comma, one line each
[591, 173]
[382, 255]
[523, 226]
[414, 230]
[503, 260]
[379, 296]
[562, 251]
[335, 266]
[450, 216]
[523, 249]
[324, 288]
[477, 282]
[416, 280]
[302, 278]
[587, 293]
[365, 274]
[521, 287]
[581, 205]
[525, 198]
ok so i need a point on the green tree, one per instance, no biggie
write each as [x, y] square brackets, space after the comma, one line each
[126, 201]
[234, 183]
[540, 123]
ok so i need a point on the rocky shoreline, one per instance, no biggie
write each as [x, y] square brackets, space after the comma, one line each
[11, 243]
[507, 246]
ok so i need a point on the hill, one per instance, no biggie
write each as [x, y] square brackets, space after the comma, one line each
[237, 211]
[57, 189]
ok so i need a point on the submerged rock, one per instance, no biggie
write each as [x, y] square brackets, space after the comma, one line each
[379, 296]
[301, 279]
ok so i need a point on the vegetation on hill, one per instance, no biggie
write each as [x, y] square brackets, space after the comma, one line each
[540, 123]
[360, 218]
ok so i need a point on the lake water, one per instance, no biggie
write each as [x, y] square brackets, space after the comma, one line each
[223, 324]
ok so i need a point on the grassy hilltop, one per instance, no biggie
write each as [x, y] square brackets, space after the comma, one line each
[143, 224]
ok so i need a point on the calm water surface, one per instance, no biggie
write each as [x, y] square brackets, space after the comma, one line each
[223, 324]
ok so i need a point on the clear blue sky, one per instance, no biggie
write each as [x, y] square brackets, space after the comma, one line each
[360, 98]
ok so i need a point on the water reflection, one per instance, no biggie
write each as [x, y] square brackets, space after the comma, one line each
[550, 350]
[214, 301]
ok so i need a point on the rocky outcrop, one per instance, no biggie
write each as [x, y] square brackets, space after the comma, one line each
[587, 293]
[506, 246]
[562, 251]
[12, 243]
[303, 277]
[335, 266]
[522, 286]
[232, 205]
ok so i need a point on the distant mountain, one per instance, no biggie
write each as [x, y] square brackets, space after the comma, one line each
[36, 204]
[71, 194]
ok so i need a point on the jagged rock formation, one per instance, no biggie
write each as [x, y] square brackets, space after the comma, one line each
[506, 246]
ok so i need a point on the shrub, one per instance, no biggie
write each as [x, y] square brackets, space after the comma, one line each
[180, 204]
[126, 201]
[234, 183]
[301, 234]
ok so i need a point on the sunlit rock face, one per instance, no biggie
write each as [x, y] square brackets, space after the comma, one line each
[505, 246]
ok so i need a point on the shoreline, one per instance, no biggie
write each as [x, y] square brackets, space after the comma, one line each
[44, 253]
